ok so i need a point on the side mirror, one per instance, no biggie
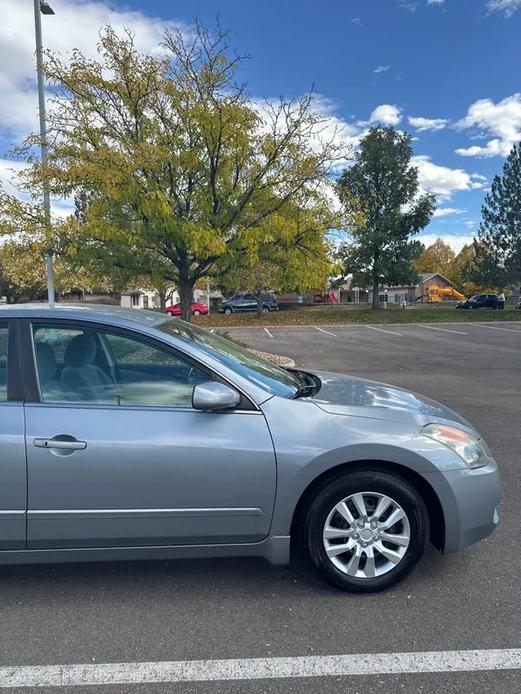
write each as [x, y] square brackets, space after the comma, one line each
[213, 395]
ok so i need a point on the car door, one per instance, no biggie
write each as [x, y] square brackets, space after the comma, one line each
[117, 456]
[13, 485]
[250, 302]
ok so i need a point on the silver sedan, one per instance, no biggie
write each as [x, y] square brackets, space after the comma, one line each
[125, 434]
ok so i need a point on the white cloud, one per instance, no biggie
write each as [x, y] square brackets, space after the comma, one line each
[435, 2]
[443, 181]
[508, 7]
[421, 123]
[386, 114]
[502, 120]
[381, 68]
[357, 21]
[77, 24]
[9, 170]
[447, 211]
[455, 241]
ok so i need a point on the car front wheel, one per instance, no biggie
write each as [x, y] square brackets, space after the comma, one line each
[197, 312]
[366, 530]
[228, 311]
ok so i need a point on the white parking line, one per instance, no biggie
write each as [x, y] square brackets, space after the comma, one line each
[325, 331]
[494, 327]
[382, 330]
[443, 330]
[267, 331]
[260, 668]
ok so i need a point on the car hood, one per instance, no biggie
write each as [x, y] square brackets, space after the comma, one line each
[348, 395]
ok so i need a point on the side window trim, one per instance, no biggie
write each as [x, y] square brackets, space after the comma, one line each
[14, 390]
[31, 381]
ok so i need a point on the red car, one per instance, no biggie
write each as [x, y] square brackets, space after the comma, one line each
[198, 309]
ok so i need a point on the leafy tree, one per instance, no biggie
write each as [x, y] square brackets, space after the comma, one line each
[498, 245]
[177, 164]
[384, 209]
[438, 257]
[24, 245]
[287, 251]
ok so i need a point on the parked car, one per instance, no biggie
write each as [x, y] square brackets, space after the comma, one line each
[480, 301]
[198, 309]
[132, 435]
[241, 302]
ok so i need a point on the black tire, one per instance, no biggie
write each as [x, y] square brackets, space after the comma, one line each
[265, 309]
[197, 312]
[369, 481]
[228, 311]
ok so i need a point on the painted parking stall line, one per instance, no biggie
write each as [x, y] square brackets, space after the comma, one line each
[325, 331]
[495, 327]
[354, 664]
[268, 332]
[383, 330]
[443, 330]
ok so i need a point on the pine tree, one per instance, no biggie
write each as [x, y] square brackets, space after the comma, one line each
[498, 247]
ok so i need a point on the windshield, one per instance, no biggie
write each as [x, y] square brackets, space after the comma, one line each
[244, 362]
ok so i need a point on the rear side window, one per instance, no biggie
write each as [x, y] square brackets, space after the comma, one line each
[3, 364]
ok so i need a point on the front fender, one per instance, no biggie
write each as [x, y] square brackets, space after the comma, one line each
[309, 442]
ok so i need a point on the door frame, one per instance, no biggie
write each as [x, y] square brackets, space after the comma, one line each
[29, 386]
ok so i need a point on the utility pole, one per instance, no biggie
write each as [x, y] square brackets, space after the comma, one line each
[42, 7]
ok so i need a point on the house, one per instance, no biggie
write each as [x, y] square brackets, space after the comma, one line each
[149, 298]
[348, 294]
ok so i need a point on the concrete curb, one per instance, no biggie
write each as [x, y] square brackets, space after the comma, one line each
[277, 359]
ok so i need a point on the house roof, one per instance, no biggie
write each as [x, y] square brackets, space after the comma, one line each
[425, 276]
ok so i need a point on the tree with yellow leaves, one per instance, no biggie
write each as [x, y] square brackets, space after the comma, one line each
[177, 164]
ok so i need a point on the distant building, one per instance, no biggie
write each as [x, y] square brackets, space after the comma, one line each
[348, 294]
[149, 298]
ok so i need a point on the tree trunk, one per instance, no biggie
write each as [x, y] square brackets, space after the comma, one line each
[186, 290]
[162, 300]
[258, 296]
[376, 292]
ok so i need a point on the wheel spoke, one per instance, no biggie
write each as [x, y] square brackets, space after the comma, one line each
[395, 516]
[370, 567]
[389, 554]
[401, 540]
[354, 562]
[335, 550]
[333, 533]
[358, 501]
[382, 506]
[346, 514]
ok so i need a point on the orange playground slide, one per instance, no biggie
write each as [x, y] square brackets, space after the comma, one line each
[437, 294]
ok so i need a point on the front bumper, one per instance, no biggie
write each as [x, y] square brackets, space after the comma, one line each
[469, 499]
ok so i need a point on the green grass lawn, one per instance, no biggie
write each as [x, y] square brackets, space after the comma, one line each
[323, 315]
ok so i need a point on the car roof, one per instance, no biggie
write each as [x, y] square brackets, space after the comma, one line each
[116, 315]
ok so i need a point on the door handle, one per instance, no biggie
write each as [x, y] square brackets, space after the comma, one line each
[61, 442]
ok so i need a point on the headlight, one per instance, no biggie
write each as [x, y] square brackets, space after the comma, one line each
[469, 448]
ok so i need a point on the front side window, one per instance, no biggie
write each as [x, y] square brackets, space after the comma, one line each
[271, 378]
[3, 363]
[84, 365]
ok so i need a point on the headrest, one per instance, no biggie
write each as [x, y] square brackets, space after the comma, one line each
[46, 361]
[81, 350]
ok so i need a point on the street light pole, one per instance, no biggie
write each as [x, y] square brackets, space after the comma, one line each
[40, 6]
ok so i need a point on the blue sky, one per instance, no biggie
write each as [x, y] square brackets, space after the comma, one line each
[447, 71]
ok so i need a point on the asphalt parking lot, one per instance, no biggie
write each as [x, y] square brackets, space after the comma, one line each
[242, 609]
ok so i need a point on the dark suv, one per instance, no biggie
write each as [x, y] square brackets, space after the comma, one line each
[480, 301]
[241, 302]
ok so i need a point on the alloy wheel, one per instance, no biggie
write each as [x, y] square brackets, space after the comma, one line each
[366, 535]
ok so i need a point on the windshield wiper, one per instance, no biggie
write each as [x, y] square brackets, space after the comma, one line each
[308, 384]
